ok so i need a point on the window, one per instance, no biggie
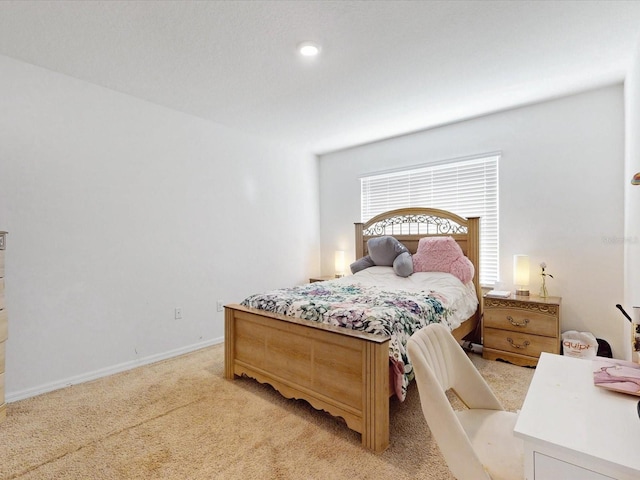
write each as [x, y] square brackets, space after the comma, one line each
[467, 187]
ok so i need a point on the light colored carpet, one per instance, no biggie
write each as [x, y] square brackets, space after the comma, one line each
[180, 419]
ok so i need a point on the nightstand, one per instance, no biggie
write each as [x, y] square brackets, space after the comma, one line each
[322, 278]
[519, 329]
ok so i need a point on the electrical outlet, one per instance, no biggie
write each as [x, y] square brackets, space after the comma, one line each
[178, 313]
[219, 305]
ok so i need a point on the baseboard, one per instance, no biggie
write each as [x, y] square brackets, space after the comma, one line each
[105, 372]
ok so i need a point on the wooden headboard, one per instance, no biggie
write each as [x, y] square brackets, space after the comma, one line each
[409, 225]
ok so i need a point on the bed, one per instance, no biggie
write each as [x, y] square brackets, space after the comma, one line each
[346, 372]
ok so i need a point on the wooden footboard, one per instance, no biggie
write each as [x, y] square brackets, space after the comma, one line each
[341, 371]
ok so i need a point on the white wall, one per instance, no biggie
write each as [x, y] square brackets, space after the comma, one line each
[561, 196]
[118, 211]
[632, 192]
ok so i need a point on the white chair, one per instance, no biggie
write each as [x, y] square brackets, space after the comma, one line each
[477, 443]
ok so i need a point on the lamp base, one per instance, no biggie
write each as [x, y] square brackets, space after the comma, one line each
[522, 293]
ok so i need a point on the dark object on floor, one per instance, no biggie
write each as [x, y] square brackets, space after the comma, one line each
[604, 349]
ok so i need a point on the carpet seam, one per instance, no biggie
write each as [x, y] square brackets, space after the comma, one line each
[105, 437]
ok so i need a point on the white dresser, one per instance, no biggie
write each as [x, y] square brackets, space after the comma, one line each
[574, 430]
[3, 325]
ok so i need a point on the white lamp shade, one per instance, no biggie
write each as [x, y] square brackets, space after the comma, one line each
[521, 274]
[339, 263]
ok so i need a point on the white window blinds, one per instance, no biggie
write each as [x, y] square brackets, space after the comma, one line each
[468, 188]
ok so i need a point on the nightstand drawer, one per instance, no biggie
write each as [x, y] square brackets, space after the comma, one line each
[520, 343]
[2, 353]
[522, 321]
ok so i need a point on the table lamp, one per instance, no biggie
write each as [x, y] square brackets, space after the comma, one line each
[339, 263]
[521, 274]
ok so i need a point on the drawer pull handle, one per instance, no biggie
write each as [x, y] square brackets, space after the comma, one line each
[524, 345]
[515, 323]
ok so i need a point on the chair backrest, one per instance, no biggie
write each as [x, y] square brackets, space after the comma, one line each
[440, 364]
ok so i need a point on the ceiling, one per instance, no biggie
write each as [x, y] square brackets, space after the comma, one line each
[386, 67]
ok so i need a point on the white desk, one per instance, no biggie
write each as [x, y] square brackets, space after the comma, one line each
[574, 430]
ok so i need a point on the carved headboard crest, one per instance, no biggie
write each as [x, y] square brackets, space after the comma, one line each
[415, 225]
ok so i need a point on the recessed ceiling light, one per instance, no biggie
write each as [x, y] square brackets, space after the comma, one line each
[309, 49]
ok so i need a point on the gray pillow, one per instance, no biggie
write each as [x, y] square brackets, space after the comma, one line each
[384, 250]
[403, 264]
[361, 264]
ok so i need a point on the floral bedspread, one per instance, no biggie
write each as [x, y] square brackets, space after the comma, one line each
[370, 309]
